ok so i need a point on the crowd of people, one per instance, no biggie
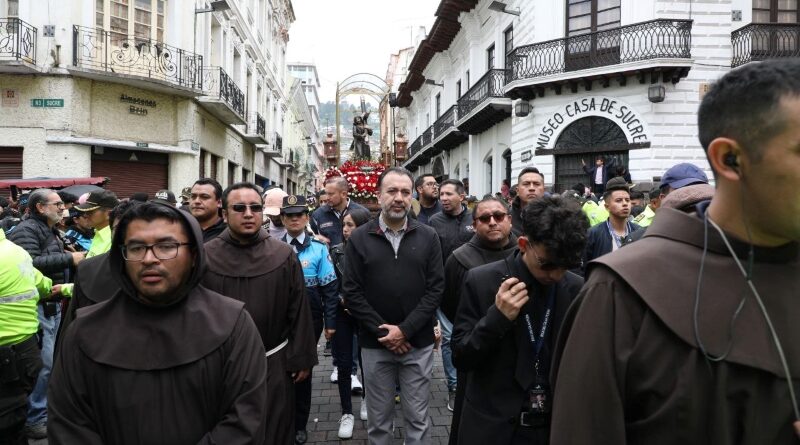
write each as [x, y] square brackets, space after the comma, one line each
[561, 318]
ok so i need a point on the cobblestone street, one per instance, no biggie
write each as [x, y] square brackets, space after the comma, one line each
[323, 424]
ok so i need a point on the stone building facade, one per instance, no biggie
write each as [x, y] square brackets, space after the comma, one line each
[552, 83]
[149, 93]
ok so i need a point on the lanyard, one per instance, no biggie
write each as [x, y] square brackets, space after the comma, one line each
[618, 239]
[537, 344]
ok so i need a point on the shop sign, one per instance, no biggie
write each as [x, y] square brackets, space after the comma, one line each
[137, 101]
[625, 116]
[11, 98]
[47, 103]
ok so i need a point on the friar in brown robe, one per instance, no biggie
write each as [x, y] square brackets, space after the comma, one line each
[265, 274]
[183, 368]
[630, 369]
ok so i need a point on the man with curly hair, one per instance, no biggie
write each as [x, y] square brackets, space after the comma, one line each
[506, 325]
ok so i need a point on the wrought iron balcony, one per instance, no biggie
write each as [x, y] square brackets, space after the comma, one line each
[222, 97]
[654, 39]
[415, 147]
[427, 136]
[17, 41]
[489, 85]
[256, 130]
[484, 104]
[762, 41]
[446, 134]
[120, 55]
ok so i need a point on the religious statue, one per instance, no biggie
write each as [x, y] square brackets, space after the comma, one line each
[360, 134]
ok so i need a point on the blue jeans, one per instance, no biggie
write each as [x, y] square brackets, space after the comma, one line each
[447, 353]
[37, 401]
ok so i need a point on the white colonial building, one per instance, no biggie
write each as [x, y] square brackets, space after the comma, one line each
[498, 86]
[149, 93]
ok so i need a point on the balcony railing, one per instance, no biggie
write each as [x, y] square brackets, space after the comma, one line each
[217, 83]
[116, 53]
[445, 122]
[257, 125]
[489, 85]
[762, 41]
[427, 136]
[654, 39]
[415, 147]
[17, 41]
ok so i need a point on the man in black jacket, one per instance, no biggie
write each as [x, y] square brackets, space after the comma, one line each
[530, 185]
[492, 242]
[39, 237]
[506, 326]
[392, 285]
[454, 227]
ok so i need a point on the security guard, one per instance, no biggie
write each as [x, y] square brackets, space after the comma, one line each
[321, 290]
[595, 212]
[21, 286]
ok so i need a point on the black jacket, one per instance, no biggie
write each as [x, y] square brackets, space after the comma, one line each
[325, 221]
[470, 255]
[598, 241]
[516, 217]
[495, 353]
[212, 232]
[44, 246]
[383, 288]
[453, 231]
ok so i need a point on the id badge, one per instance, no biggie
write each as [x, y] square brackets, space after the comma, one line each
[539, 401]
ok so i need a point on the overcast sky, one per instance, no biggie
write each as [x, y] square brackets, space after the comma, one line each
[371, 29]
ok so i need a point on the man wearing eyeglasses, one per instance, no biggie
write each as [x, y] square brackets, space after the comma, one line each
[165, 360]
[428, 197]
[492, 242]
[248, 264]
[506, 324]
[39, 237]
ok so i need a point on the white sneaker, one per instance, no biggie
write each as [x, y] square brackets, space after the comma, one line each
[346, 426]
[363, 410]
[355, 385]
[335, 375]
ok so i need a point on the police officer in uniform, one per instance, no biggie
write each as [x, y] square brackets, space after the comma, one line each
[21, 286]
[321, 290]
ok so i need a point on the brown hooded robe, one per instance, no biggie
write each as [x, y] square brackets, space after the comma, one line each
[187, 372]
[266, 275]
[629, 368]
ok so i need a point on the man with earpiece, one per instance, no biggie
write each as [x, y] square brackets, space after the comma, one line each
[690, 335]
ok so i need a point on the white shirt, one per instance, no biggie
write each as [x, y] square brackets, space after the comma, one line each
[598, 175]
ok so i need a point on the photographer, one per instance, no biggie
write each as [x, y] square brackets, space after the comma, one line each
[503, 338]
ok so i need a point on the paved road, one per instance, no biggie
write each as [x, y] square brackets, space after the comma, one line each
[323, 424]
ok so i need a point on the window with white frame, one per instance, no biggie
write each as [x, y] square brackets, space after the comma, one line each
[143, 19]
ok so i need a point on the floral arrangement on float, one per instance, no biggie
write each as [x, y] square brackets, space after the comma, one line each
[362, 175]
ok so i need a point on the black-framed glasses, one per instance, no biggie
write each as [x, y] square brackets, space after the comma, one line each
[162, 251]
[431, 184]
[498, 216]
[57, 204]
[241, 208]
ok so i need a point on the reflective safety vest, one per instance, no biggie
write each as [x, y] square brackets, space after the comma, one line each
[594, 212]
[20, 287]
[645, 218]
[101, 243]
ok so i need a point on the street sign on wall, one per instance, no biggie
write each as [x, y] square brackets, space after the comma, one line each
[47, 103]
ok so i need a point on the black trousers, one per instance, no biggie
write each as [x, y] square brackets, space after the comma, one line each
[19, 368]
[302, 390]
[346, 327]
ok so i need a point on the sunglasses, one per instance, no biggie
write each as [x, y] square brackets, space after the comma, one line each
[498, 216]
[241, 208]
